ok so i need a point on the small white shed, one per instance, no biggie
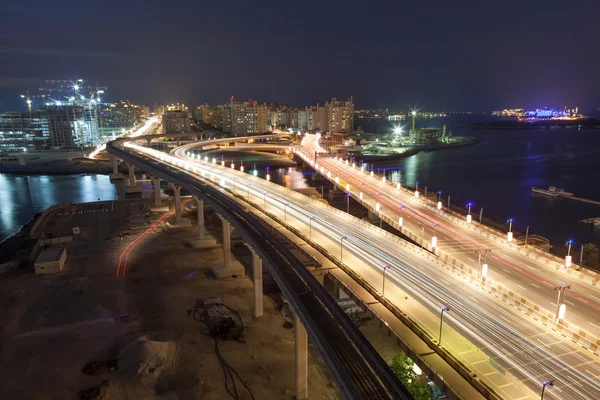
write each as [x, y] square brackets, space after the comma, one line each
[51, 261]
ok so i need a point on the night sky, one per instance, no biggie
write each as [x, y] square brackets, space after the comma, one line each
[460, 55]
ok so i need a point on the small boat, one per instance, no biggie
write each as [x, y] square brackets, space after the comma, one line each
[552, 191]
[593, 221]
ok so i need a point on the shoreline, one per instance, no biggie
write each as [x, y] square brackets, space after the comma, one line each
[415, 151]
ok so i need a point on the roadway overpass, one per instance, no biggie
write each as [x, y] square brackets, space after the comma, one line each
[358, 369]
[524, 346]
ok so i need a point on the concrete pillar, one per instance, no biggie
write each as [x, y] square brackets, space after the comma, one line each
[132, 187]
[131, 174]
[156, 187]
[115, 174]
[301, 347]
[177, 191]
[226, 242]
[200, 216]
[179, 221]
[229, 268]
[203, 240]
[257, 280]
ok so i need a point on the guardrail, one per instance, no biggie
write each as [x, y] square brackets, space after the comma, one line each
[576, 334]
[344, 348]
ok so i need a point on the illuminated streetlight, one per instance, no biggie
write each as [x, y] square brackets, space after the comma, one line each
[417, 190]
[509, 234]
[268, 177]
[400, 218]
[483, 269]
[561, 307]
[439, 203]
[444, 308]
[568, 256]
[469, 213]
[544, 384]
[434, 238]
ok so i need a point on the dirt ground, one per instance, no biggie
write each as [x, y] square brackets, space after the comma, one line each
[53, 325]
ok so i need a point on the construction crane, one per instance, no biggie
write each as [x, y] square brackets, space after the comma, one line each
[28, 98]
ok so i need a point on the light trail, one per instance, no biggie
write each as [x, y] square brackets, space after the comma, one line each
[367, 249]
[123, 264]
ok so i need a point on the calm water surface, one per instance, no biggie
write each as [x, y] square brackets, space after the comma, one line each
[495, 175]
[22, 197]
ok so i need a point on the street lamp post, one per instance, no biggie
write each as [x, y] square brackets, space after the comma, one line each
[568, 256]
[561, 307]
[469, 213]
[342, 247]
[544, 384]
[439, 202]
[310, 219]
[401, 218]
[483, 269]
[434, 238]
[416, 189]
[444, 308]
[385, 267]
[509, 235]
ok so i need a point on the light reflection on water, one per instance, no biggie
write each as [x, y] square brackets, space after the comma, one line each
[21, 197]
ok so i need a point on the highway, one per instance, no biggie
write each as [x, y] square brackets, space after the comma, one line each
[523, 346]
[531, 279]
[358, 369]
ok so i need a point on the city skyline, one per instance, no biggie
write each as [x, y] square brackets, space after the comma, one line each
[465, 57]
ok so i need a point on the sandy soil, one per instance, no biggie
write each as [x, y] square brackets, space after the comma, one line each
[54, 325]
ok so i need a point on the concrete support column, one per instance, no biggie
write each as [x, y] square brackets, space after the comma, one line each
[229, 268]
[132, 187]
[115, 174]
[257, 280]
[200, 216]
[203, 240]
[131, 174]
[226, 226]
[301, 347]
[179, 221]
[156, 188]
[113, 161]
[177, 191]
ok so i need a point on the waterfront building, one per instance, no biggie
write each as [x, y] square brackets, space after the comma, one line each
[72, 125]
[24, 131]
[302, 120]
[423, 137]
[120, 115]
[176, 120]
[340, 115]
[248, 117]
[316, 118]
[294, 118]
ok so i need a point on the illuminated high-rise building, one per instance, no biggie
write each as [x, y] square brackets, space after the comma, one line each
[340, 115]
[24, 131]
